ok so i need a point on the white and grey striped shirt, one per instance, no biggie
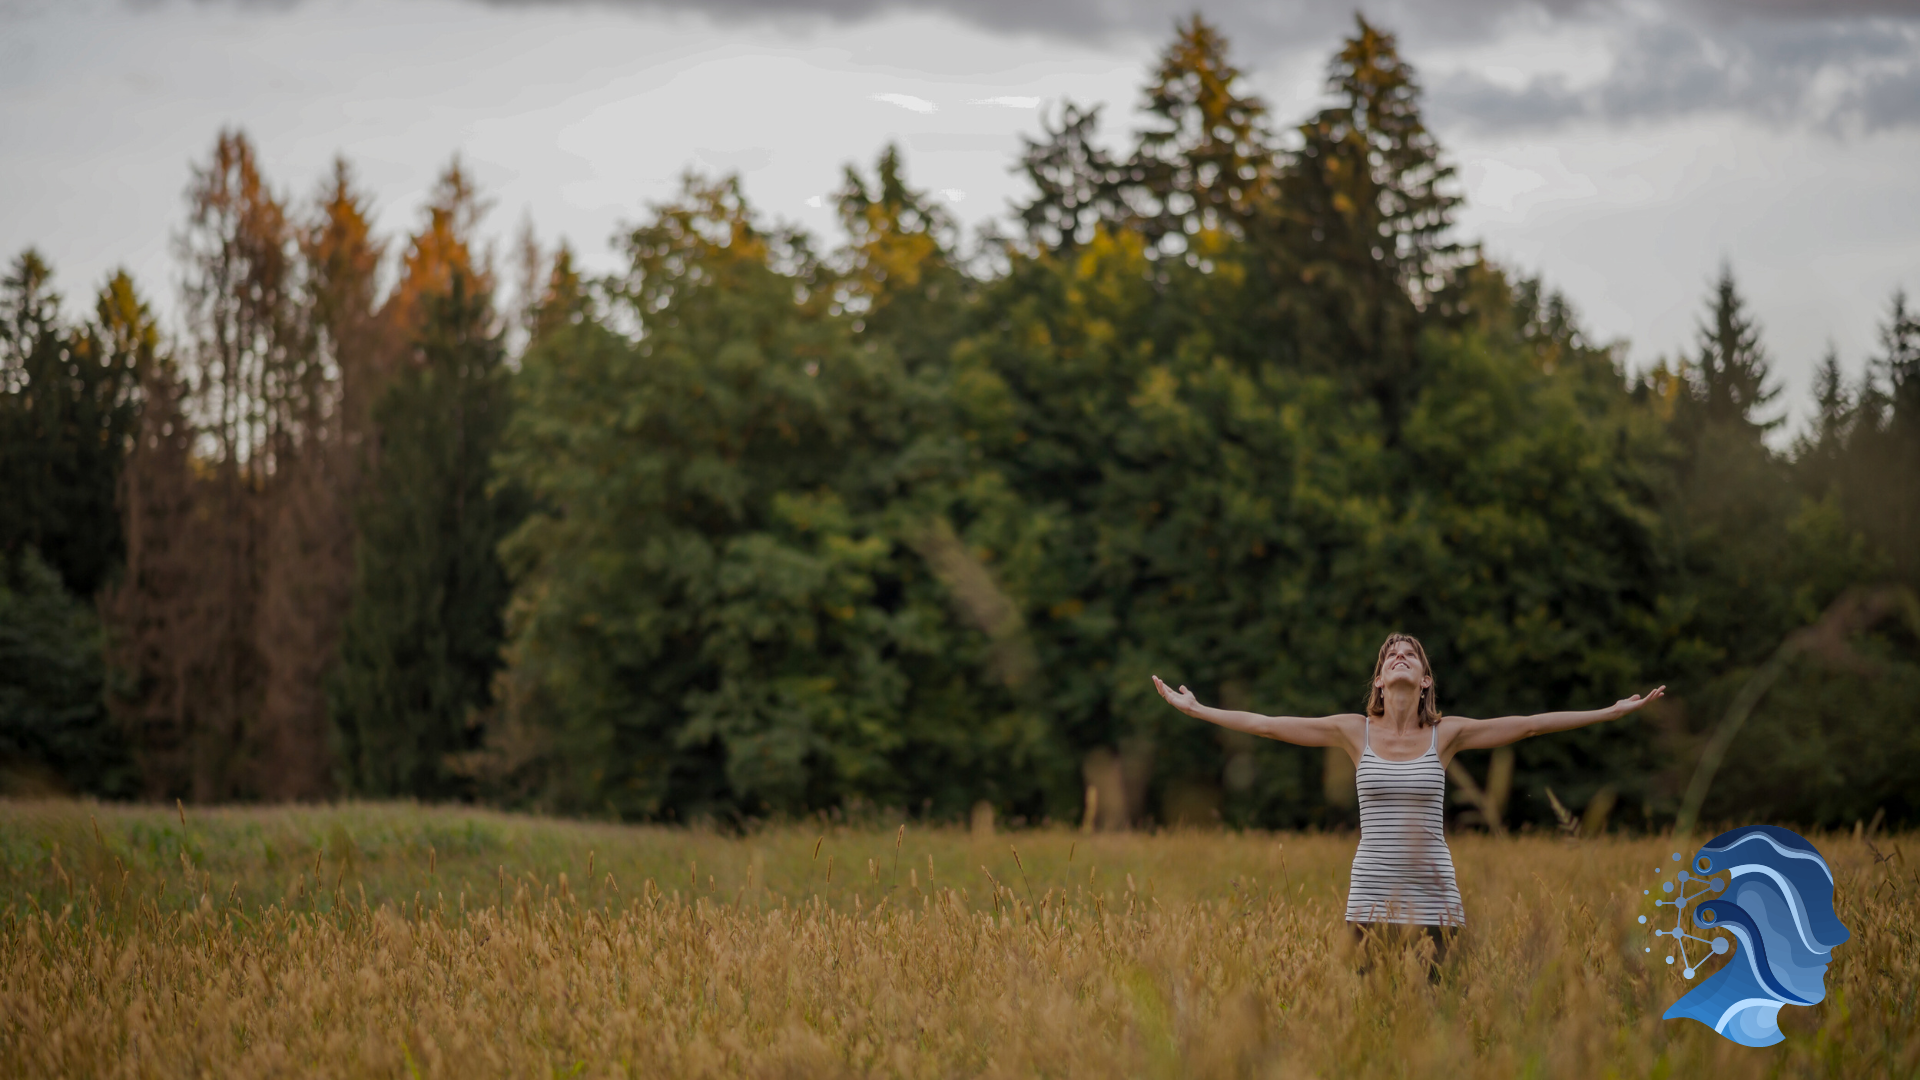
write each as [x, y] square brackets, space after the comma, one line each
[1403, 872]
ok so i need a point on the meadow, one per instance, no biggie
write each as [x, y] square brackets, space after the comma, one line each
[401, 940]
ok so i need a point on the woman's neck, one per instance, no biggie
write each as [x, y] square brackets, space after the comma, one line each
[1402, 707]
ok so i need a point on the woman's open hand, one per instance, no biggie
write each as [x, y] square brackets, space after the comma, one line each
[1181, 699]
[1629, 704]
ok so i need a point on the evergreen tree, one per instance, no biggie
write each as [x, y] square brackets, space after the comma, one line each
[1362, 222]
[422, 637]
[1736, 528]
[1206, 160]
[1884, 458]
[1834, 404]
[54, 730]
[1899, 363]
[1078, 185]
[67, 412]
[1728, 379]
[1819, 452]
[561, 300]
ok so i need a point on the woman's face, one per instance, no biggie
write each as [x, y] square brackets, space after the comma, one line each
[1402, 666]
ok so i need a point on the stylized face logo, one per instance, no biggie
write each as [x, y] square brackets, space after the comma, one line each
[1774, 902]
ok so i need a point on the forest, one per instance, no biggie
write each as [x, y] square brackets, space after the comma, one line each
[768, 524]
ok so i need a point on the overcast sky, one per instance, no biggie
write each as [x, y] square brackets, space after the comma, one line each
[1622, 150]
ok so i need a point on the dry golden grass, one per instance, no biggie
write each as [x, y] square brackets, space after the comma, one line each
[397, 940]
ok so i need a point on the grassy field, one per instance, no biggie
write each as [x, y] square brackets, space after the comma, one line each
[393, 940]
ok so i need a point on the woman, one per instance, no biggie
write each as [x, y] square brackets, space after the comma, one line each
[1402, 872]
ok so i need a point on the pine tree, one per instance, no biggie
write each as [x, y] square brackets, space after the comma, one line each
[446, 246]
[1899, 364]
[67, 411]
[1078, 185]
[423, 633]
[1207, 160]
[552, 292]
[1883, 495]
[1728, 378]
[1362, 222]
[68, 406]
[1818, 451]
[54, 732]
[563, 298]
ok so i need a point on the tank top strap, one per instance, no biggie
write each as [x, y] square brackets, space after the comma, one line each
[1433, 745]
[1366, 739]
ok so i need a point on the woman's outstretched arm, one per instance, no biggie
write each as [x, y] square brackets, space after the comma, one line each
[1298, 730]
[1501, 730]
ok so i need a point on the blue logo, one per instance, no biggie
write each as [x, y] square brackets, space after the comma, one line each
[1766, 895]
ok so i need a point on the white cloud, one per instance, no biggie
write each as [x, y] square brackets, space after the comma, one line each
[953, 195]
[907, 101]
[1010, 101]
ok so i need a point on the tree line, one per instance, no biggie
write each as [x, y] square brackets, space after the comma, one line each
[759, 526]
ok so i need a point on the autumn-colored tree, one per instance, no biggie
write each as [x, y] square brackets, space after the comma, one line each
[220, 436]
[422, 634]
[345, 352]
[446, 245]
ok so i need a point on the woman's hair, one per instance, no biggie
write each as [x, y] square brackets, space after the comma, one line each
[1429, 694]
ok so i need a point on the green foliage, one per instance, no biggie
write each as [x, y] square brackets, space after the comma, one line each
[422, 637]
[1867, 450]
[891, 524]
[1078, 186]
[54, 730]
[1831, 743]
[1358, 245]
[869, 529]
[67, 413]
[1728, 379]
[1249, 529]
[1207, 160]
[713, 613]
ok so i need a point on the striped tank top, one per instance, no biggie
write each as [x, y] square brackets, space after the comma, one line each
[1403, 872]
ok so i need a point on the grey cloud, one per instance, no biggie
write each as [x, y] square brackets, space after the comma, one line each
[1821, 9]
[1262, 25]
[1891, 102]
[1834, 63]
[1840, 74]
